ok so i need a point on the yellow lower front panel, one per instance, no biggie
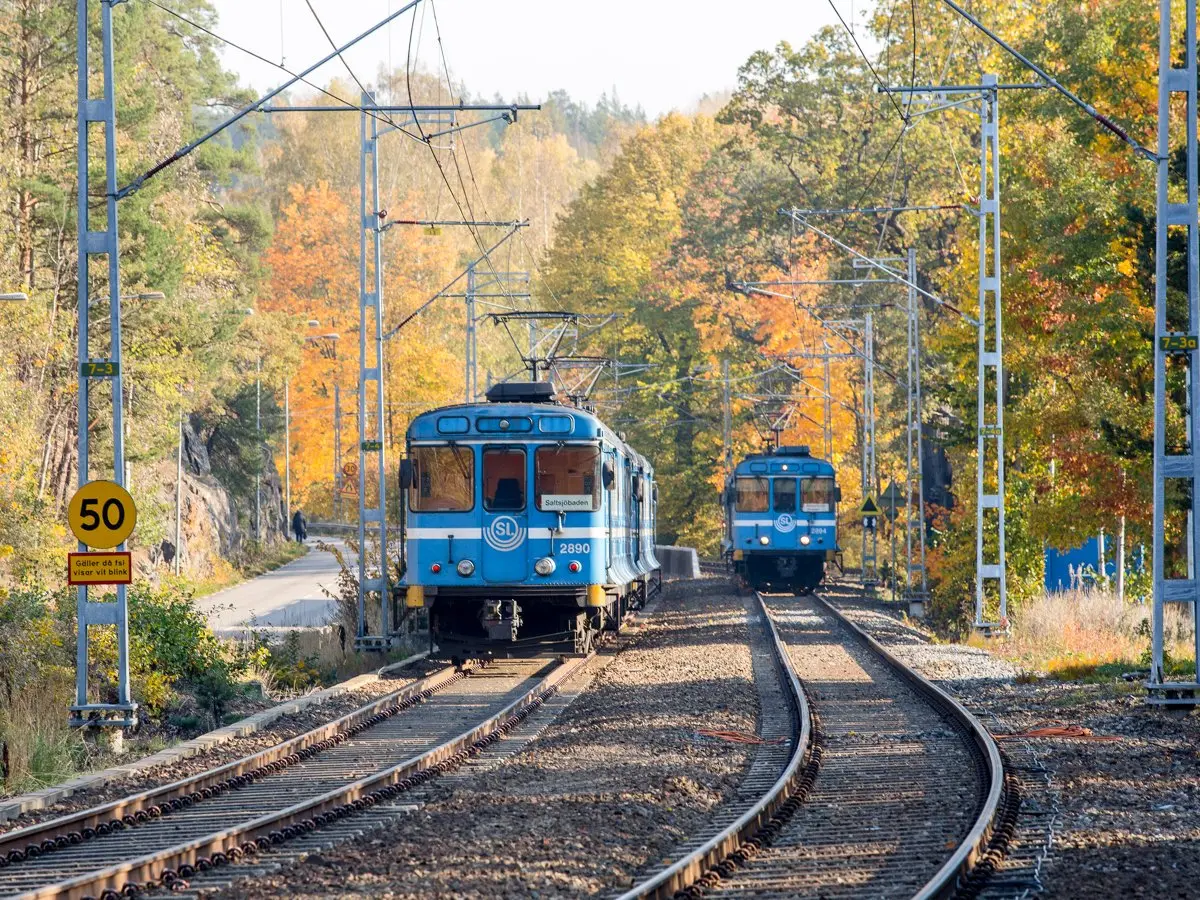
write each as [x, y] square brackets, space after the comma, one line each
[596, 595]
[414, 597]
[738, 555]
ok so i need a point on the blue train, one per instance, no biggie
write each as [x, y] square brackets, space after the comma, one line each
[528, 523]
[781, 519]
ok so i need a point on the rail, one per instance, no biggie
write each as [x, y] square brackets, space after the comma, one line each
[738, 840]
[693, 866]
[171, 866]
[947, 879]
[129, 811]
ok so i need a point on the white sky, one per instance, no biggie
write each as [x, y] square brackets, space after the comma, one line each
[663, 54]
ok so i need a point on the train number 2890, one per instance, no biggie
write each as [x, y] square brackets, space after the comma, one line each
[574, 548]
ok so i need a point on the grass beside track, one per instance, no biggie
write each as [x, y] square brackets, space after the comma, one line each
[1089, 636]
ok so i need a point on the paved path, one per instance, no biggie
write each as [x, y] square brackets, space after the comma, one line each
[288, 597]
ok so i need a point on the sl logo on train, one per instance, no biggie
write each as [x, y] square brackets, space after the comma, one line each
[504, 533]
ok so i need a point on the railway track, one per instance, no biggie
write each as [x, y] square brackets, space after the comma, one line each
[891, 788]
[319, 780]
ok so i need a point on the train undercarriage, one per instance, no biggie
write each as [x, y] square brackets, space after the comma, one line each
[798, 573]
[496, 622]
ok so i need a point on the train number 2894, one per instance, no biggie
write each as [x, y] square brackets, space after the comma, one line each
[574, 548]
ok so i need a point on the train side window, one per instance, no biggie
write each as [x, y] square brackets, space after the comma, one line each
[566, 478]
[752, 494]
[443, 479]
[503, 479]
[816, 494]
[785, 495]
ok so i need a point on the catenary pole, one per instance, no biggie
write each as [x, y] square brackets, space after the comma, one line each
[93, 242]
[990, 554]
[1176, 470]
[372, 516]
[916, 584]
[258, 438]
[178, 499]
[471, 371]
[287, 458]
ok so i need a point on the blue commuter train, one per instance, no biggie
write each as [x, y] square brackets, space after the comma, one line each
[781, 519]
[529, 524]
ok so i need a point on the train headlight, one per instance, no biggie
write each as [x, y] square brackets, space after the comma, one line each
[764, 540]
[544, 566]
[805, 540]
[466, 568]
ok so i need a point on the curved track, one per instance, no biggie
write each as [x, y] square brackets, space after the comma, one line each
[160, 837]
[896, 797]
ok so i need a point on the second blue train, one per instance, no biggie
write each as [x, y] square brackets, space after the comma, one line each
[781, 519]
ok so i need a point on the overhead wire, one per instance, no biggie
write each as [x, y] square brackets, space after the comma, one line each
[1100, 118]
[912, 80]
[471, 170]
[258, 56]
[474, 232]
[941, 121]
[863, 54]
[362, 88]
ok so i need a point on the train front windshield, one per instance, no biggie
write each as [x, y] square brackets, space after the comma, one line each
[752, 494]
[503, 479]
[566, 478]
[443, 479]
[816, 495]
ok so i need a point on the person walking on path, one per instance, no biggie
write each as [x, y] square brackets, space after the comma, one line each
[299, 526]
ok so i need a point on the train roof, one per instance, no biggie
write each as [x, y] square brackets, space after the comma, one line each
[784, 461]
[501, 419]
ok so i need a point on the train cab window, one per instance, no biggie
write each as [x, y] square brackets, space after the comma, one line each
[752, 494]
[567, 478]
[816, 495]
[443, 479]
[503, 479]
[785, 495]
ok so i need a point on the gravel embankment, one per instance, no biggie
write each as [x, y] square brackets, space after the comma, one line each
[282, 729]
[615, 782]
[1128, 811]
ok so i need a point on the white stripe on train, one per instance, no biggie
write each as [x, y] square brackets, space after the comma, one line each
[476, 534]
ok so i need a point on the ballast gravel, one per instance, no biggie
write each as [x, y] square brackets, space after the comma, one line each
[1122, 817]
[282, 729]
[615, 782]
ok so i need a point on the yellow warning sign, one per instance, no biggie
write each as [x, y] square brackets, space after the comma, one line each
[102, 514]
[869, 507]
[99, 568]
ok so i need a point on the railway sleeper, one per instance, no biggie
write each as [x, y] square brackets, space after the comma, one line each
[132, 820]
[280, 836]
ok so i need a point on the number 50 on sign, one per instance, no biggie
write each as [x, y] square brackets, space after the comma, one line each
[102, 514]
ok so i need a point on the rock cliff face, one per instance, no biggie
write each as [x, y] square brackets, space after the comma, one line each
[216, 526]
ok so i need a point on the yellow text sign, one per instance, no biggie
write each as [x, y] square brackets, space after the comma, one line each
[99, 568]
[102, 514]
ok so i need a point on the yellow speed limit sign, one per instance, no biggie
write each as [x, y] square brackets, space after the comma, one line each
[102, 514]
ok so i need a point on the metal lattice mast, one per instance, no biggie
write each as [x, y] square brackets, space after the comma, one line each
[828, 418]
[870, 545]
[100, 242]
[337, 453]
[726, 418]
[915, 504]
[990, 567]
[471, 373]
[370, 381]
[1182, 466]
[989, 478]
